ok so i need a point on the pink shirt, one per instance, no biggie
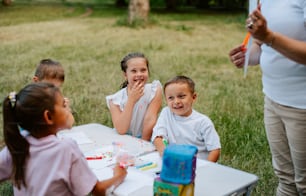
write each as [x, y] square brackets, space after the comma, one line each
[55, 167]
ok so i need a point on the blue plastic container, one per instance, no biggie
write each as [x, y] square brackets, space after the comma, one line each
[179, 164]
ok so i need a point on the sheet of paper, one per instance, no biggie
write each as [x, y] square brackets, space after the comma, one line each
[79, 137]
[100, 158]
[135, 180]
[134, 145]
[103, 174]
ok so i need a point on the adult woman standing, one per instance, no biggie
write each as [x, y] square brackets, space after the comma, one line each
[279, 32]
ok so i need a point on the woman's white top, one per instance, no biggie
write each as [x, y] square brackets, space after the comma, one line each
[284, 80]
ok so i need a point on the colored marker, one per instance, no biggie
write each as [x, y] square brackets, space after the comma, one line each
[144, 165]
[94, 158]
[246, 40]
[123, 165]
[148, 167]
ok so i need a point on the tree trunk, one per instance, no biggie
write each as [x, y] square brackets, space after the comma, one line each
[6, 2]
[138, 10]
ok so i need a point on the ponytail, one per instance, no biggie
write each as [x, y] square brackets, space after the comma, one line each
[15, 142]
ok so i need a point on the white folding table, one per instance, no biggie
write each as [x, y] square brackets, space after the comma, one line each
[212, 179]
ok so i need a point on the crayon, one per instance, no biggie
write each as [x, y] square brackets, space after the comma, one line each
[94, 158]
[144, 165]
[148, 167]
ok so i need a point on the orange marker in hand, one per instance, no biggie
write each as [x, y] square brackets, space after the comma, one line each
[248, 35]
[245, 41]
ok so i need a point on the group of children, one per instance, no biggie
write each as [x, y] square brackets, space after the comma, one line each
[135, 110]
[34, 159]
[38, 163]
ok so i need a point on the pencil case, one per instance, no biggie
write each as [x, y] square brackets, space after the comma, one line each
[179, 164]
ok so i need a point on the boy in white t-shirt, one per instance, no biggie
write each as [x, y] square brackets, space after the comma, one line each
[179, 123]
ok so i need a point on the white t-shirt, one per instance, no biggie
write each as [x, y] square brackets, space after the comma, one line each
[120, 98]
[196, 129]
[55, 167]
[284, 80]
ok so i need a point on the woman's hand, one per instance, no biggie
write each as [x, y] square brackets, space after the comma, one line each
[237, 56]
[256, 24]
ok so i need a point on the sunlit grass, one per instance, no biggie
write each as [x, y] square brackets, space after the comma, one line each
[90, 48]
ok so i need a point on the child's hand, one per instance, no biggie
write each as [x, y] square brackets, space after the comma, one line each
[120, 172]
[125, 159]
[136, 91]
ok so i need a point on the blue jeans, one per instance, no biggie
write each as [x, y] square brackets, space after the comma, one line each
[286, 133]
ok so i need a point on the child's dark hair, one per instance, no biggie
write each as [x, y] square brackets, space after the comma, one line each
[49, 69]
[124, 61]
[26, 110]
[181, 79]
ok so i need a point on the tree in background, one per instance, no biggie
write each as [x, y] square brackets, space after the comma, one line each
[138, 11]
[6, 2]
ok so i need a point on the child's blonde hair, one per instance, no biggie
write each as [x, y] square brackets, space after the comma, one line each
[49, 69]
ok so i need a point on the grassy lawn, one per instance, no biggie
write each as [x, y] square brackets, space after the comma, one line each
[90, 44]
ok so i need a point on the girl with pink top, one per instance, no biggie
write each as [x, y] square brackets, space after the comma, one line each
[40, 163]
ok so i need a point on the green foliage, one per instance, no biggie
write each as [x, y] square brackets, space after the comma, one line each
[6, 189]
[91, 42]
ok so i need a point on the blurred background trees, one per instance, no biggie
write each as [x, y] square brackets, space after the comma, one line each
[173, 4]
[6, 2]
[138, 10]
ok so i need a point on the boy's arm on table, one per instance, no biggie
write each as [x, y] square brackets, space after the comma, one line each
[159, 145]
[213, 155]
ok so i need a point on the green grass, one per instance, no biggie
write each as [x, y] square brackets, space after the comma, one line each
[194, 43]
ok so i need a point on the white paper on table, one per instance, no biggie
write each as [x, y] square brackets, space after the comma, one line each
[79, 137]
[106, 153]
[134, 180]
[103, 174]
